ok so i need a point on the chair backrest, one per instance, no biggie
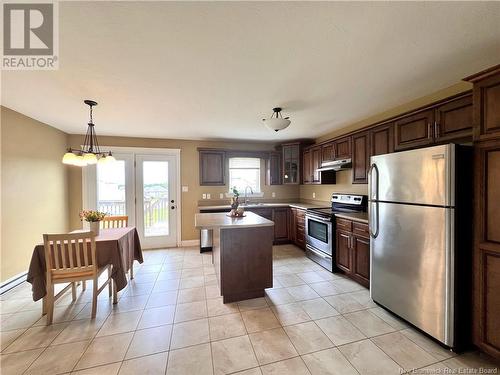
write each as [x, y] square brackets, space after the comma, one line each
[70, 254]
[114, 222]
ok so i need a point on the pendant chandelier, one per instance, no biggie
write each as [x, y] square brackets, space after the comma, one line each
[89, 153]
[277, 122]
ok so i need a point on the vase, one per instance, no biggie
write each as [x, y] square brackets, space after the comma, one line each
[95, 227]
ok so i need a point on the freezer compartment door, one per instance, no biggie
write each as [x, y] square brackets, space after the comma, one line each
[411, 266]
[423, 176]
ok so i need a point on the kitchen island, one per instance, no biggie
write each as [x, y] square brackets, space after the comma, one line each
[242, 253]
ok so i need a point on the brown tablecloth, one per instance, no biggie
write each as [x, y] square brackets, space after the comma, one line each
[116, 246]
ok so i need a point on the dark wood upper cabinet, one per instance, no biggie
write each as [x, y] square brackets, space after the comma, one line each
[315, 164]
[291, 163]
[454, 120]
[273, 169]
[307, 176]
[486, 92]
[382, 139]
[414, 131]
[328, 152]
[360, 157]
[212, 167]
[342, 148]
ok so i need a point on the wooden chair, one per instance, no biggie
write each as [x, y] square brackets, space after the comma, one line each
[118, 222]
[114, 222]
[71, 258]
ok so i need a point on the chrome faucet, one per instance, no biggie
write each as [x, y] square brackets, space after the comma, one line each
[246, 190]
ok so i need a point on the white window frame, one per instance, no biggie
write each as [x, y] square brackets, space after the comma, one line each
[255, 194]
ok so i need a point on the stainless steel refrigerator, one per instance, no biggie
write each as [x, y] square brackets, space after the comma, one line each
[421, 228]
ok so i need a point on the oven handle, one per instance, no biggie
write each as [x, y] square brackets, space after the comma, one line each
[311, 249]
[324, 220]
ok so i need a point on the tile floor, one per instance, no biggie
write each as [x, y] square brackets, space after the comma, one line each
[170, 319]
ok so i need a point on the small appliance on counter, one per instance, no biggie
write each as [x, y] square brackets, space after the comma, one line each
[320, 227]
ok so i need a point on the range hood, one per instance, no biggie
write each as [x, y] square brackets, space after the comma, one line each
[337, 165]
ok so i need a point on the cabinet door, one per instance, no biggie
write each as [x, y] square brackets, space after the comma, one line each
[382, 139]
[342, 254]
[487, 108]
[280, 218]
[212, 168]
[316, 163]
[264, 212]
[306, 167]
[343, 148]
[291, 164]
[327, 152]
[360, 158]
[414, 131]
[454, 120]
[361, 260]
[486, 322]
[274, 169]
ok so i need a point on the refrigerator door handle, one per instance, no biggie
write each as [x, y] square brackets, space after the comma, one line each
[374, 215]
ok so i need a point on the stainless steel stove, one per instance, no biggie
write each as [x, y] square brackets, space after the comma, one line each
[320, 227]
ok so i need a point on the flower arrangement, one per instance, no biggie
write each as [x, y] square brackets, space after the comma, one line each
[234, 200]
[92, 216]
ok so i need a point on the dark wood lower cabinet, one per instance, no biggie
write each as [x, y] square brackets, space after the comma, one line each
[281, 225]
[360, 253]
[343, 251]
[352, 253]
[297, 227]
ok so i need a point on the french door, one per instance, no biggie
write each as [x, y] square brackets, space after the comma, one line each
[143, 186]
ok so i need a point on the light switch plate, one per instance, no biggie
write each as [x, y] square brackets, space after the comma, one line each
[204, 196]
[314, 195]
[273, 194]
[221, 196]
[208, 196]
[185, 188]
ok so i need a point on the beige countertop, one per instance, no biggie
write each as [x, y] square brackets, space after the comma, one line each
[221, 220]
[356, 216]
[303, 206]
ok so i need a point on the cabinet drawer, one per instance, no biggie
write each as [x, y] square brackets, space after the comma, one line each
[343, 224]
[360, 229]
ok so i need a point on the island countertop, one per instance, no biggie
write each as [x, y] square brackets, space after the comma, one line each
[221, 220]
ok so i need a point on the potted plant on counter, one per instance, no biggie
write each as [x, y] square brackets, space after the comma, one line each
[94, 218]
[235, 209]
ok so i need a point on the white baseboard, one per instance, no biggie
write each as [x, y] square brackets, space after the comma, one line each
[12, 282]
[190, 243]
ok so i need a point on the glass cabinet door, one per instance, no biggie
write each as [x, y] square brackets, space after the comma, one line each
[291, 163]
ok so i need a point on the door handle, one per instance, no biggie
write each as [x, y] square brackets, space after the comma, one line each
[374, 219]
[373, 168]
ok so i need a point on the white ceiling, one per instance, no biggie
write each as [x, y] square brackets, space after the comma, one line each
[213, 70]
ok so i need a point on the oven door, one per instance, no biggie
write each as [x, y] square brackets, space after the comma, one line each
[319, 233]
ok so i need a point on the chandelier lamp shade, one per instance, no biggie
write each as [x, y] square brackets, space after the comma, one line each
[90, 152]
[277, 122]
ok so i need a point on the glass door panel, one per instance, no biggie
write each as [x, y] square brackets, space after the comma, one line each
[156, 194]
[111, 188]
[155, 198]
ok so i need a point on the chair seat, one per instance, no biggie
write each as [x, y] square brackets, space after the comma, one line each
[77, 274]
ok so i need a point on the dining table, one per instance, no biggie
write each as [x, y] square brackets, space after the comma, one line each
[116, 246]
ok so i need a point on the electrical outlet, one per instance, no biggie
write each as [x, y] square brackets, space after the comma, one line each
[204, 196]
[314, 195]
[221, 196]
[185, 188]
[273, 194]
[208, 196]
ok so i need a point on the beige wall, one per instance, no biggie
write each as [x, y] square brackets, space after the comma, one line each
[189, 176]
[34, 188]
[344, 179]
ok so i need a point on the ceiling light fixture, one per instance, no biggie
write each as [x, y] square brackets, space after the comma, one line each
[277, 122]
[89, 153]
